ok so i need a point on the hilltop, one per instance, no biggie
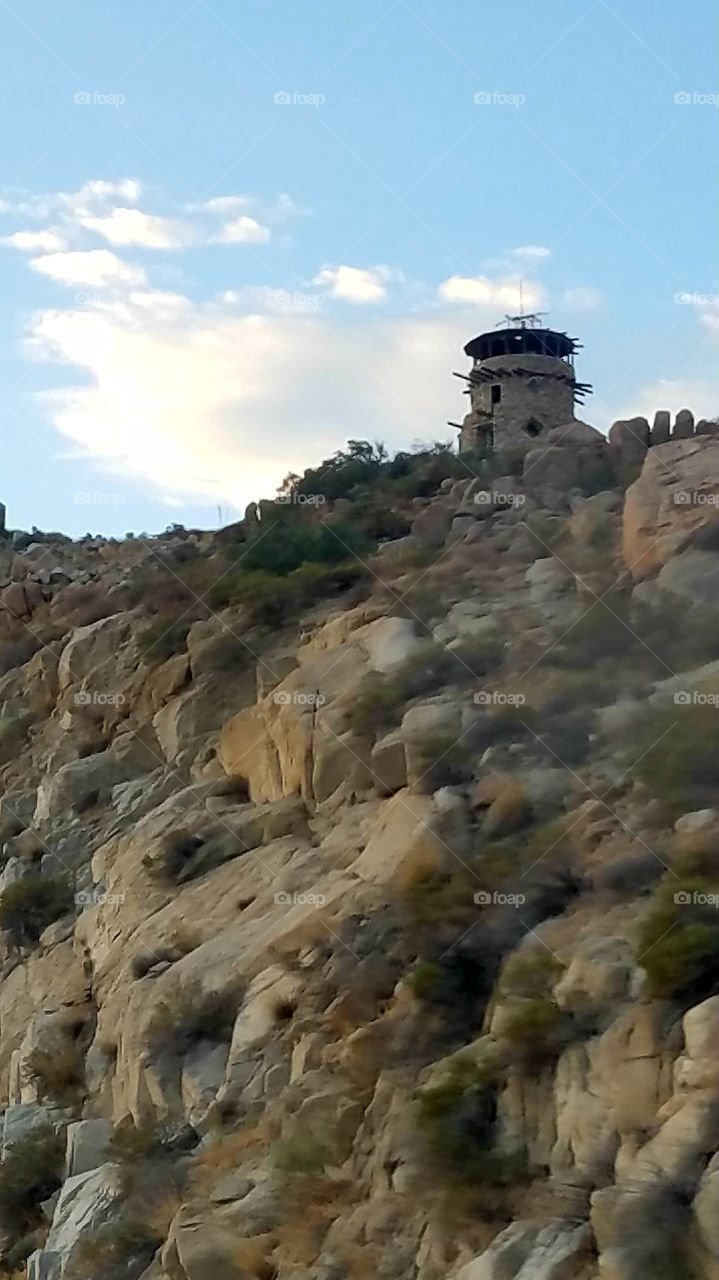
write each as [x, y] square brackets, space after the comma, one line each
[360, 876]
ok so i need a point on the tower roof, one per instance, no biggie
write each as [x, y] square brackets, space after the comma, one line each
[521, 339]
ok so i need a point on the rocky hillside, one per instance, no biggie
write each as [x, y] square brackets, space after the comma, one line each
[360, 878]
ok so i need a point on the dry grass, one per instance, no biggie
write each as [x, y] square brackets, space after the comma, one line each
[229, 1153]
[60, 1075]
[162, 1208]
[312, 1203]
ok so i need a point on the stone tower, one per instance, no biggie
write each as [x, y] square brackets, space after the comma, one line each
[522, 383]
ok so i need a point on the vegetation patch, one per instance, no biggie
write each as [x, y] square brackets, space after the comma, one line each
[678, 943]
[31, 904]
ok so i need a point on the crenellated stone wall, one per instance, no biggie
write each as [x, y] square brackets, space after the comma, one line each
[630, 438]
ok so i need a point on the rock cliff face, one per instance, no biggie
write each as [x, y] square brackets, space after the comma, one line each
[365, 924]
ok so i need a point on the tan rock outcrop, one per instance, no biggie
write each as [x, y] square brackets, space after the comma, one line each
[676, 494]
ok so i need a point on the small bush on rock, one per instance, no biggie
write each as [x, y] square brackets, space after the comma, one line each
[193, 1014]
[533, 1029]
[162, 639]
[531, 972]
[30, 905]
[457, 1118]
[678, 943]
[30, 1173]
[674, 753]
[301, 1153]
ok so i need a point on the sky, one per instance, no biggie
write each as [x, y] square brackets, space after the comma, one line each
[235, 234]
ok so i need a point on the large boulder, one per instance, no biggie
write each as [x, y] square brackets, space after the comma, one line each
[676, 494]
[629, 441]
[82, 783]
[552, 1250]
[574, 456]
[87, 1203]
[86, 1145]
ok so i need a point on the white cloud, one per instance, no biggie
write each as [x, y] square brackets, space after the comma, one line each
[355, 284]
[243, 230]
[188, 398]
[95, 268]
[35, 241]
[531, 252]
[91, 196]
[133, 227]
[484, 291]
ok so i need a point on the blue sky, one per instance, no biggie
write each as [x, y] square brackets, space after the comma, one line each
[236, 234]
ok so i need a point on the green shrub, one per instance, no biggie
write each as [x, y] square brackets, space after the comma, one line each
[301, 1153]
[30, 905]
[533, 1029]
[162, 639]
[30, 1173]
[449, 760]
[268, 599]
[530, 972]
[381, 700]
[674, 753]
[678, 943]
[289, 544]
[13, 735]
[424, 978]
[457, 1118]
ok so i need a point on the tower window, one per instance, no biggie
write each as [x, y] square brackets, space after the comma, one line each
[496, 393]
